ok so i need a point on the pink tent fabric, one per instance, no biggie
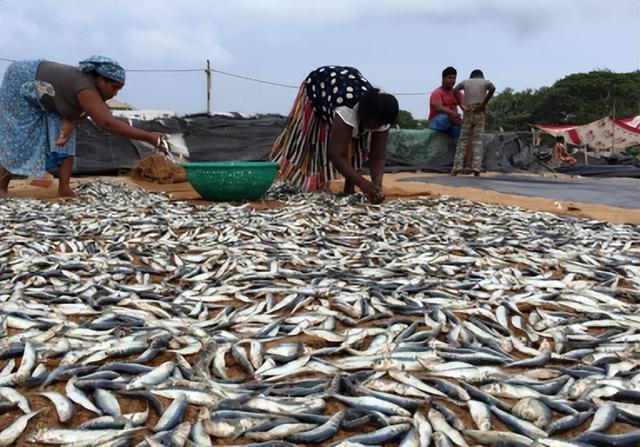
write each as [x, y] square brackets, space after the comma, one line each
[632, 122]
[603, 137]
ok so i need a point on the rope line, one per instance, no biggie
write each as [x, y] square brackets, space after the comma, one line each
[226, 73]
[278, 84]
[165, 70]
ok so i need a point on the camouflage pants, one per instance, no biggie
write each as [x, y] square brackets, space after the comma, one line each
[472, 127]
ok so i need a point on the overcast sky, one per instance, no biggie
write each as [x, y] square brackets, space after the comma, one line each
[399, 45]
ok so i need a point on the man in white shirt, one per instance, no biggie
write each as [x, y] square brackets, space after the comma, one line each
[477, 93]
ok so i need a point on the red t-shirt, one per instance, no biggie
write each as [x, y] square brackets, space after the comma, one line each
[445, 97]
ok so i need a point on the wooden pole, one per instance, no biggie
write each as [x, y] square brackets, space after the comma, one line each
[208, 72]
[613, 126]
[586, 159]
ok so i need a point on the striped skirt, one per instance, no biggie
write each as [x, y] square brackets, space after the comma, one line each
[302, 147]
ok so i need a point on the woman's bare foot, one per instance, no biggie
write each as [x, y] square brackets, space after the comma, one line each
[66, 192]
[64, 175]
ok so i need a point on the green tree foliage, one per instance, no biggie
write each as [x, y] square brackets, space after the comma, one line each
[575, 99]
[634, 151]
[407, 121]
[512, 110]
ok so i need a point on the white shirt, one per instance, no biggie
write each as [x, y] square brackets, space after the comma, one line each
[350, 116]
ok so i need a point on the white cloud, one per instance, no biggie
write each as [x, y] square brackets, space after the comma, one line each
[15, 29]
[401, 45]
[135, 32]
[182, 45]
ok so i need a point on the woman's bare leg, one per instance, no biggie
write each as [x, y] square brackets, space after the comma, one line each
[5, 178]
[64, 175]
[349, 188]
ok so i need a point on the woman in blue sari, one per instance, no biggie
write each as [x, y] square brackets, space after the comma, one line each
[40, 104]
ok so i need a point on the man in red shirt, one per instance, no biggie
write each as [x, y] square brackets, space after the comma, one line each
[443, 105]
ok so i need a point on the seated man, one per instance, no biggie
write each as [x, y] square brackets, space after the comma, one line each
[443, 105]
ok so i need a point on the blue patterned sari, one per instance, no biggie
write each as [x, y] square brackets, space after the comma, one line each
[28, 131]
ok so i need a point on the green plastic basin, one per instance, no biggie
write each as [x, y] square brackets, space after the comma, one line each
[231, 181]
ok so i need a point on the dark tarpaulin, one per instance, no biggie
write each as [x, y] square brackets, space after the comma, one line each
[99, 152]
[234, 137]
[209, 138]
[506, 152]
[601, 170]
[433, 151]
[619, 192]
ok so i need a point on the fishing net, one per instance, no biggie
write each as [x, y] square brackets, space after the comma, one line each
[157, 168]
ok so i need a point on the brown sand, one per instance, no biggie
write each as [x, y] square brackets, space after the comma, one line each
[394, 189]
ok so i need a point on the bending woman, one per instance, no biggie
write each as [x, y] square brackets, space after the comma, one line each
[40, 104]
[337, 122]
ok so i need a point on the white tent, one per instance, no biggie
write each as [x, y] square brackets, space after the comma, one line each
[603, 137]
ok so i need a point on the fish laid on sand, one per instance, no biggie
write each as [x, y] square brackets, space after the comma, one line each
[323, 320]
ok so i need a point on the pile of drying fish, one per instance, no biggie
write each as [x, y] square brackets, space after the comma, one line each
[322, 321]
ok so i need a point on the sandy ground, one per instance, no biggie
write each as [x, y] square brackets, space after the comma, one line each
[394, 189]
